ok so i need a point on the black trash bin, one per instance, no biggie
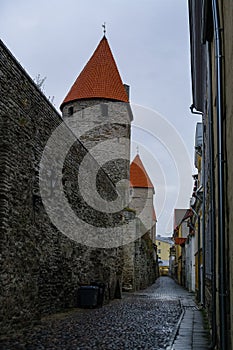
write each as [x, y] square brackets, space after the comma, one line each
[101, 287]
[88, 296]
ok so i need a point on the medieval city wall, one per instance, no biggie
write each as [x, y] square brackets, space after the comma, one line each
[41, 268]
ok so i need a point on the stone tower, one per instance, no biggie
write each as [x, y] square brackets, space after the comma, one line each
[142, 193]
[100, 102]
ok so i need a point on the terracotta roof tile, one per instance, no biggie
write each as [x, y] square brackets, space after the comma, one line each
[138, 175]
[100, 78]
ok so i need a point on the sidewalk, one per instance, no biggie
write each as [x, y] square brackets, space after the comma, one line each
[190, 333]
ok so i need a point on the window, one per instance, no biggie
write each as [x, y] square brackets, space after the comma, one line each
[159, 251]
[159, 243]
[70, 111]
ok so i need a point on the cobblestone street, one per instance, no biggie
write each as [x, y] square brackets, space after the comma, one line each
[148, 319]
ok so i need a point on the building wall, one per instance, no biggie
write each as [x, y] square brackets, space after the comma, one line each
[153, 232]
[145, 264]
[190, 264]
[227, 9]
[226, 16]
[164, 249]
[139, 268]
[140, 261]
[107, 122]
[141, 200]
[178, 261]
[41, 268]
[181, 231]
[213, 297]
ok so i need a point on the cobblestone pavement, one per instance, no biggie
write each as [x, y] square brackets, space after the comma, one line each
[143, 320]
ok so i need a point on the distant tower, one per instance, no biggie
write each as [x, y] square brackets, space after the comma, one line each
[101, 101]
[142, 195]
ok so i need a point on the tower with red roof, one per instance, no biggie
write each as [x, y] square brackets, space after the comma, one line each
[99, 102]
[142, 195]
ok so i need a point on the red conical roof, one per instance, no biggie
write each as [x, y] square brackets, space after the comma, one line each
[138, 174]
[99, 78]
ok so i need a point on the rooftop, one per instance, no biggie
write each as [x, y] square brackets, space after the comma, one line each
[138, 175]
[100, 78]
[164, 239]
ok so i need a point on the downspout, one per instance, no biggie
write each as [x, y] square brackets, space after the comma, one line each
[203, 222]
[198, 256]
[203, 184]
[212, 200]
[221, 228]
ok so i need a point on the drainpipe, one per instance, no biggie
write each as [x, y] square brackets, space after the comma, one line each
[199, 258]
[220, 164]
[212, 200]
[198, 254]
[203, 221]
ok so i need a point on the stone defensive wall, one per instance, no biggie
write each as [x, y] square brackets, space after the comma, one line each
[41, 268]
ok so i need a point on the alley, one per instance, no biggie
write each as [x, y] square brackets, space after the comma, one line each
[163, 316]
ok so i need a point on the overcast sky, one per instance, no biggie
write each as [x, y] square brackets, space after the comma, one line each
[150, 42]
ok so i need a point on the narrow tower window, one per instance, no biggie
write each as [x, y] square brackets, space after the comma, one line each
[70, 111]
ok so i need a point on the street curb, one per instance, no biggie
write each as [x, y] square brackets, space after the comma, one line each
[170, 346]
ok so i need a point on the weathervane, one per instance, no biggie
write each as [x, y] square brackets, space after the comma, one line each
[104, 26]
[137, 149]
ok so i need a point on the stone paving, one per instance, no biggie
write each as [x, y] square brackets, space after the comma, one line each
[163, 316]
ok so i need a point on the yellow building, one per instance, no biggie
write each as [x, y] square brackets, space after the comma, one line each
[163, 250]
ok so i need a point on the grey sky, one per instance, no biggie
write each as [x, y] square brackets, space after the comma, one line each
[150, 42]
